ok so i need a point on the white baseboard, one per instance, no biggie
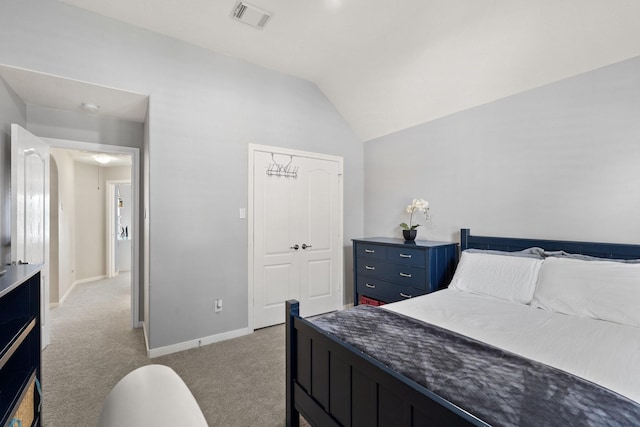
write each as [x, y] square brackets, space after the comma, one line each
[146, 337]
[66, 294]
[186, 345]
[89, 279]
[78, 282]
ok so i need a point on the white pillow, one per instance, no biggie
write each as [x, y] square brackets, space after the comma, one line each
[604, 290]
[502, 276]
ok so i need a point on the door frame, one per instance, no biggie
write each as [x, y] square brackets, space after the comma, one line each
[253, 148]
[111, 231]
[135, 189]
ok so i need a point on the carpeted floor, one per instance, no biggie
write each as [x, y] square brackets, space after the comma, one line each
[239, 382]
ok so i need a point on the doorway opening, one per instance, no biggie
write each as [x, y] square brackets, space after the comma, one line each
[85, 235]
[118, 226]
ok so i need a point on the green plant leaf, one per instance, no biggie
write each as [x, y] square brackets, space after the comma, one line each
[413, 227]
[404, 226]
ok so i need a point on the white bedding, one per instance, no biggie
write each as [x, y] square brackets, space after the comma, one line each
[602, 352]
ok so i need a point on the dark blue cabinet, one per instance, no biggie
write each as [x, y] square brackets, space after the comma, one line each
[390, 270]
[20, 344]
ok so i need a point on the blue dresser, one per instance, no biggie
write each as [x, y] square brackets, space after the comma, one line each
[388, 270]
[20, 344]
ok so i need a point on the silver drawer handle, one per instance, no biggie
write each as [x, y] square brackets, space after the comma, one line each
[369, 267]
[369, 251]
[370, 286]
[403, 295]
[405, 256]
[405, 275]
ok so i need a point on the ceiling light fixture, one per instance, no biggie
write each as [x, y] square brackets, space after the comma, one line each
[102, 158]
[90, 108]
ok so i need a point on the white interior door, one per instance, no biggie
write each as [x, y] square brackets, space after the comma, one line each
[30, 210]
[318, 208]
[275, 271]
[296, 236]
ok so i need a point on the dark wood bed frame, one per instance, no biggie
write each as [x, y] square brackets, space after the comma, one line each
[331, 383]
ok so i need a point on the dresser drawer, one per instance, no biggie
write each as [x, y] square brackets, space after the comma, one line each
[367, 250]
[405, 275]
[376, 268]
[408, 256]
[385, 291]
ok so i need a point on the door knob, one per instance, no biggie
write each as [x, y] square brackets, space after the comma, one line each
[305, 246]
[296, 247]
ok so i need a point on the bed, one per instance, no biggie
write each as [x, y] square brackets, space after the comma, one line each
[529, 332]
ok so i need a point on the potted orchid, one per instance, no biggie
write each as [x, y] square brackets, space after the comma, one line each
[409, 230]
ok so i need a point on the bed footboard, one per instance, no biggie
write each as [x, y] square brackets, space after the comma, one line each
[331, 383]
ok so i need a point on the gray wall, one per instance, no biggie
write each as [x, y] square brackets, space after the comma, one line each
[76, 126]
[12, 110]
[560, 161]
[204, 110]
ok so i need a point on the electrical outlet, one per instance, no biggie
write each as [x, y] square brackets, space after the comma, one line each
[218, 306]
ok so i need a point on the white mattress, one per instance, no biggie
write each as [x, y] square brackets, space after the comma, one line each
[602, 352]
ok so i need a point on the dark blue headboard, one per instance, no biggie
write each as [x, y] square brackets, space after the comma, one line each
[601, 250]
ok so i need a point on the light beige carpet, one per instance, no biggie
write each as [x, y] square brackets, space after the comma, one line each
[238, 382]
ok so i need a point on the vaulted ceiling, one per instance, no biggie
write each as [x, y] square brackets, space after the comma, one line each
[391, 64]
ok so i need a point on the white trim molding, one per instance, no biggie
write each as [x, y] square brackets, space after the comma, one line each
[199, 342]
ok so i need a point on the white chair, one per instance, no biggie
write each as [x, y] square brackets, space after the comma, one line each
[152, 395]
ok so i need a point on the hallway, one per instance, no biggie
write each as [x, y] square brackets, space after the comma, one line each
[92, 347]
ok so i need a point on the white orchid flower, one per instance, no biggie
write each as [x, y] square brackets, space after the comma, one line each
[420, 205]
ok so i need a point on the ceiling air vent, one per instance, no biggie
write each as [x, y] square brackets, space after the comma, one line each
[251, 15]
